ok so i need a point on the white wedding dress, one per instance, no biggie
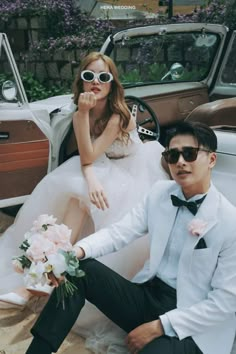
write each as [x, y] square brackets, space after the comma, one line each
[126, 173]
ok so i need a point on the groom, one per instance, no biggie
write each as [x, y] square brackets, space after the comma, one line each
[183, 301]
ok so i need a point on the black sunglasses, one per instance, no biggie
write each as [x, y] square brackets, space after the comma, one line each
[189, 154]
[103, 77]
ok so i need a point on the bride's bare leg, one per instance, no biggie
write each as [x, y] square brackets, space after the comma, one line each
[75, 218]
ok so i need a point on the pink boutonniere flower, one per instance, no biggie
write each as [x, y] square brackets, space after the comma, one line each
[197, 226]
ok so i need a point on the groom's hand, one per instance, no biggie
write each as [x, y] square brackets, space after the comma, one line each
[53, 281]
[79, 252]
[143, 334]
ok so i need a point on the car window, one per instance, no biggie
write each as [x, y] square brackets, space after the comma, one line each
[7, 77]
[228, 74]
[167, 57]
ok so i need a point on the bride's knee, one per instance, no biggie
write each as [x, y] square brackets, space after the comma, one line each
[77, 205]
[73, 203]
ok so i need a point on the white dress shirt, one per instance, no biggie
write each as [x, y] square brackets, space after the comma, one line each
[168, 267]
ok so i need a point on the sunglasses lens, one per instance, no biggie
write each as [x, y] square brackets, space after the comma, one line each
[172, 156]
[105, 77]
[87, 76]
[190, 154]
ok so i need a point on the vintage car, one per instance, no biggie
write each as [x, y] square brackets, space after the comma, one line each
[172, 72]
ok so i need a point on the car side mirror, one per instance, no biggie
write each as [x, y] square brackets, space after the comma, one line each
[176, 72]
[9, 90]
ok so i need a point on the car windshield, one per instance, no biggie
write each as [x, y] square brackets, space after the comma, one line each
[8, 80]
[165, 57]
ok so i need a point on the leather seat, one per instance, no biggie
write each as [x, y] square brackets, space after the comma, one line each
[218, 113]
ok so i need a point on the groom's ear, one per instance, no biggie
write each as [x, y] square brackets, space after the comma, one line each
[165, 166]
[213, 158]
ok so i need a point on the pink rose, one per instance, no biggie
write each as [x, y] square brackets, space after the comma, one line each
[197, 226]
[60, 235]
[50, 233]
[65, 246]
[43, 219]
[40, 247]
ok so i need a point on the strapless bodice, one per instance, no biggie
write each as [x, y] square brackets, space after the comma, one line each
[120, 149]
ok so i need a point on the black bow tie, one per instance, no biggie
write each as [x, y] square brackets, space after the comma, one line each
[192, 206]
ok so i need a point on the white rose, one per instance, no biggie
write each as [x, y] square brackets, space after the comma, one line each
[56, 264]
[35, 274]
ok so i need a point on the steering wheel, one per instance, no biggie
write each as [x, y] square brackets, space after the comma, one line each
[148, 128]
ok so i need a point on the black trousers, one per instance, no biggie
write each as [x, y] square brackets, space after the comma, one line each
[125, 303]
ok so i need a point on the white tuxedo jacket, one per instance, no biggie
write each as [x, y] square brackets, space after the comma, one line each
[206, 279]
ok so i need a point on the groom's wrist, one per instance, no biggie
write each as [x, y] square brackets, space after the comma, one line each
[79, 251]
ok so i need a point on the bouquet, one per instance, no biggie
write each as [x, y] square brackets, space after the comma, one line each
[47, 250]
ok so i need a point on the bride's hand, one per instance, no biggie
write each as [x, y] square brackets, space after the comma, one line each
[97, 195]
[87, 100]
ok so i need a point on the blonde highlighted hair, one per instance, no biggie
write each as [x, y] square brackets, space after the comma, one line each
[116, 99]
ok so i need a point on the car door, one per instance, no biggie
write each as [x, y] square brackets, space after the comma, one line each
[24, 135]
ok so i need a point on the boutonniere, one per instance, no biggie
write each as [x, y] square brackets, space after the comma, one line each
[197, 226]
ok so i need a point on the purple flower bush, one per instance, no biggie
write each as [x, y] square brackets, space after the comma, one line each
[216, 11]
[66, 26]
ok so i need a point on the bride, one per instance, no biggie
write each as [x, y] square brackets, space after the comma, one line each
[88, 192]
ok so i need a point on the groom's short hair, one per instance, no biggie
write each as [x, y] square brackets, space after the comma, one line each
[204, 135]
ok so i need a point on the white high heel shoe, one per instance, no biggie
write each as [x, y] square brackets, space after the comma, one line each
[12, 300]
[40, 290]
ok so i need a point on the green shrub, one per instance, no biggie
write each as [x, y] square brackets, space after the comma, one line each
[35, 90]
[38, 91]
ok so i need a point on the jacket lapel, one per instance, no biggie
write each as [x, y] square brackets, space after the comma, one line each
[207, 213]
[163, 217]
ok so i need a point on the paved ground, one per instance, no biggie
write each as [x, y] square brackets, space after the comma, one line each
[15, 334]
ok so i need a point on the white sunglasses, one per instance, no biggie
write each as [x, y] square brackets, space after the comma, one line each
[103, 77]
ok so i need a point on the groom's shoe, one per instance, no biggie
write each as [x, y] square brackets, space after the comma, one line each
[12, 300]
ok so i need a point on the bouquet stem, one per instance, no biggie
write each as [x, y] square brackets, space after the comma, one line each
[64, 290]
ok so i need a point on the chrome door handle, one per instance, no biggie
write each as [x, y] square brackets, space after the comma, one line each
[4, 135]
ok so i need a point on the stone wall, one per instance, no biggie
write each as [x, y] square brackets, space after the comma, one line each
[58, 68]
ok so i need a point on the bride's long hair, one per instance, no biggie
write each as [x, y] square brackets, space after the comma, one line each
[116, 99]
